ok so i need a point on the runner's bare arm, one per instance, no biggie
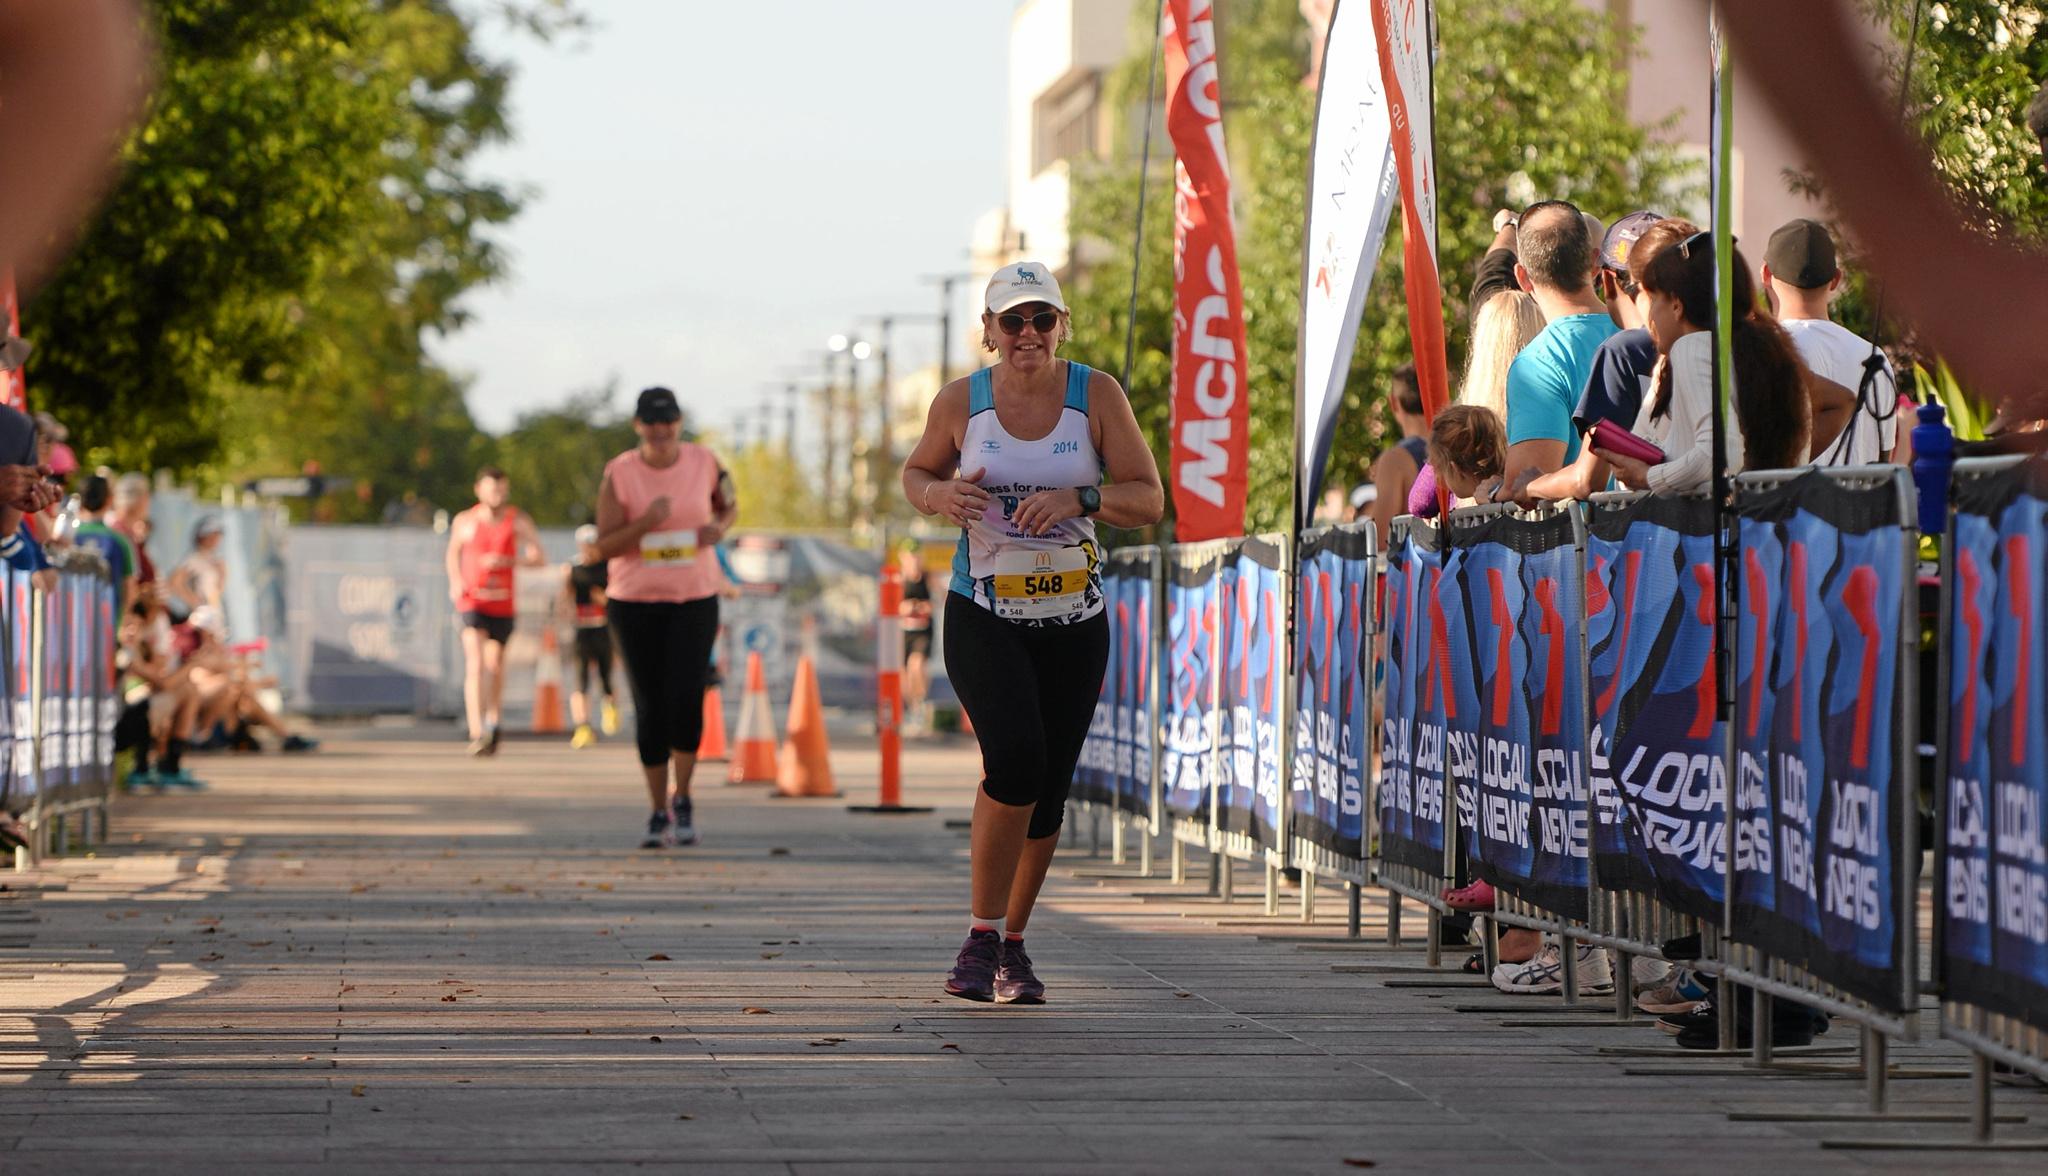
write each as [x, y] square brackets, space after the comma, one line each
[928, 473]
[1133, 496]
[725, 510]
[529, 538]
[616, 534]
[1977, 301]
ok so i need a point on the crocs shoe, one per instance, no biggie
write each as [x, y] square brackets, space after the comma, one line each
[1476, 897]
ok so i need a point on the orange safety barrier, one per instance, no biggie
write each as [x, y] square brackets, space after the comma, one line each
[806, 765]
[755, 764]
[889, 696]
[547, 686]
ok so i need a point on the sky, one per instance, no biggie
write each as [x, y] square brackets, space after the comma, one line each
[718, 187]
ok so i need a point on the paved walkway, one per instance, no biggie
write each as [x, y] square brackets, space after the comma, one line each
[388, 955]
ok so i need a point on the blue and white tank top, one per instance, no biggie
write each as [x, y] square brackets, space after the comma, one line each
[1049, 579]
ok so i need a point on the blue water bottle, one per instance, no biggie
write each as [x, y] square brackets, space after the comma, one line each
[1934, 454]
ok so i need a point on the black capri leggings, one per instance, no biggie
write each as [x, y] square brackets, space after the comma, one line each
[667, 651]
[1030, 692]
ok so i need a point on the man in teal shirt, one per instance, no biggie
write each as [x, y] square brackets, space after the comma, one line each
[1555, 256]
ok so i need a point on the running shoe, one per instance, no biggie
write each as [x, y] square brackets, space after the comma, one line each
[657, 831]
[1545, 973]
[1785, 1032]
[974, 969]
[608, 718]
[682, 825]
[480, 746]
[1691, 1017]
[584, 737]
[1679, 994]
[1476, 897]
[1016, 983]
[1645, 973]
[298, 743]
[142, 778]
[180, 779]
[491, 740]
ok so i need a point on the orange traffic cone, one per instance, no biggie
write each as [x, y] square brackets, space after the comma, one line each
[755, 763]
[547, 686]
[713, 747]
[806, 765]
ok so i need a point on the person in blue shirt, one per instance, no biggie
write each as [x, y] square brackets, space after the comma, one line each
[1555, 258]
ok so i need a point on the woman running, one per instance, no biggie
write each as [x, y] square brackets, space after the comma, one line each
[1014, 455]
[663, 506]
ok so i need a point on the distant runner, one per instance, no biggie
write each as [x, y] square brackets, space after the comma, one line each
[585, 589]
[1026, 636]
[485, 544]
[663, 505]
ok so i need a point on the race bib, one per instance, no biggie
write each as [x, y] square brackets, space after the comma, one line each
[668, 549]
[1041, 585]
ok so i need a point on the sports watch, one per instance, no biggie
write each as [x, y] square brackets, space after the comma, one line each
[1091, 499]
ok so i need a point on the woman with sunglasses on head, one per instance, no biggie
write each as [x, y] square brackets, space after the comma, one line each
[1673, 266]
[1015, 455]
[661, 511]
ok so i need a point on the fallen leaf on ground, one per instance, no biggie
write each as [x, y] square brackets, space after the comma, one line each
[1184, 995]
[658, 956]
[449, 999]
[258, 942]
[756, 1009]
[778, 851]
[769, 955]
[1351, 1162]
[357, 1090]
[604, 886]
[654, 1039]
[209, 957]
[949, 1045]
[686, 1116]
[348, 988]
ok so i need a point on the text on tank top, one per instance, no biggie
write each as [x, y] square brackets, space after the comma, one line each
[667, 565]
[1049, 579]
[487, 563]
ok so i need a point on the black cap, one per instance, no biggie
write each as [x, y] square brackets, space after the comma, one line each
[1802, 254]
[657, 407]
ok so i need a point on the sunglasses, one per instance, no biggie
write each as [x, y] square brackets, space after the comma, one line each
[1043, 322]
[1685, 246]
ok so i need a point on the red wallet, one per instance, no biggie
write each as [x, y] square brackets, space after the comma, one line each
[1609, 437]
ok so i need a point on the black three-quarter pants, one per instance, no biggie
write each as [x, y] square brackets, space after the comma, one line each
[667, 651]
[1030, 692]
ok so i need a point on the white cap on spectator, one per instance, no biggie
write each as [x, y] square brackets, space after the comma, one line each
[587, 533]
[208, 618]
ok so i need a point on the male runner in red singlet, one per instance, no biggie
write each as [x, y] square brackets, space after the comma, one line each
[485, 543]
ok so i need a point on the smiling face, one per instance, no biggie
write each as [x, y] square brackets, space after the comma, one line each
[1040, 328]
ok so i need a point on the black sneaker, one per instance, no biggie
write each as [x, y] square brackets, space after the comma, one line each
[297, 743]
[491, 740]
[657, 831]
[682, 826]
[974, 969]
[1016, 983]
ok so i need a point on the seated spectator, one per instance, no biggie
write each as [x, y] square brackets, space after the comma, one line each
[227, 690]
[161, 702]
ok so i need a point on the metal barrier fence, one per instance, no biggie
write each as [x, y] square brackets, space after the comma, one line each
[59, 706]
[1991, 811]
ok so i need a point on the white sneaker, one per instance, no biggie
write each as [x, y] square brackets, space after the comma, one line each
[1545, 973]
[1645, 973]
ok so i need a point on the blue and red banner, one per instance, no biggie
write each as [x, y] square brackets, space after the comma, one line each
[1994, 886]
[1523, 590]
[1333, 690]
[1818, 794]
[1656, 764]
[1188, 711]
[1254, 619]
[1423, 699]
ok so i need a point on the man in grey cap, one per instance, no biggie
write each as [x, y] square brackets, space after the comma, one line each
[1800, 278]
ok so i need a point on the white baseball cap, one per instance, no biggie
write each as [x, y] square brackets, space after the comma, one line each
[587, 533]
[1026, 281]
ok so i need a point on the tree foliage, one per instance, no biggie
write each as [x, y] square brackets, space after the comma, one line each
[555, 456]
[1526, 96]
[298, 209]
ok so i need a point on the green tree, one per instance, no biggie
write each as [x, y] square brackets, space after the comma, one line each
[555, 457]
[1522, 91]
[775, 493]
[299, 207]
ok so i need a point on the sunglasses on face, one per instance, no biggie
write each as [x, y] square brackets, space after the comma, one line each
[1043, 322]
